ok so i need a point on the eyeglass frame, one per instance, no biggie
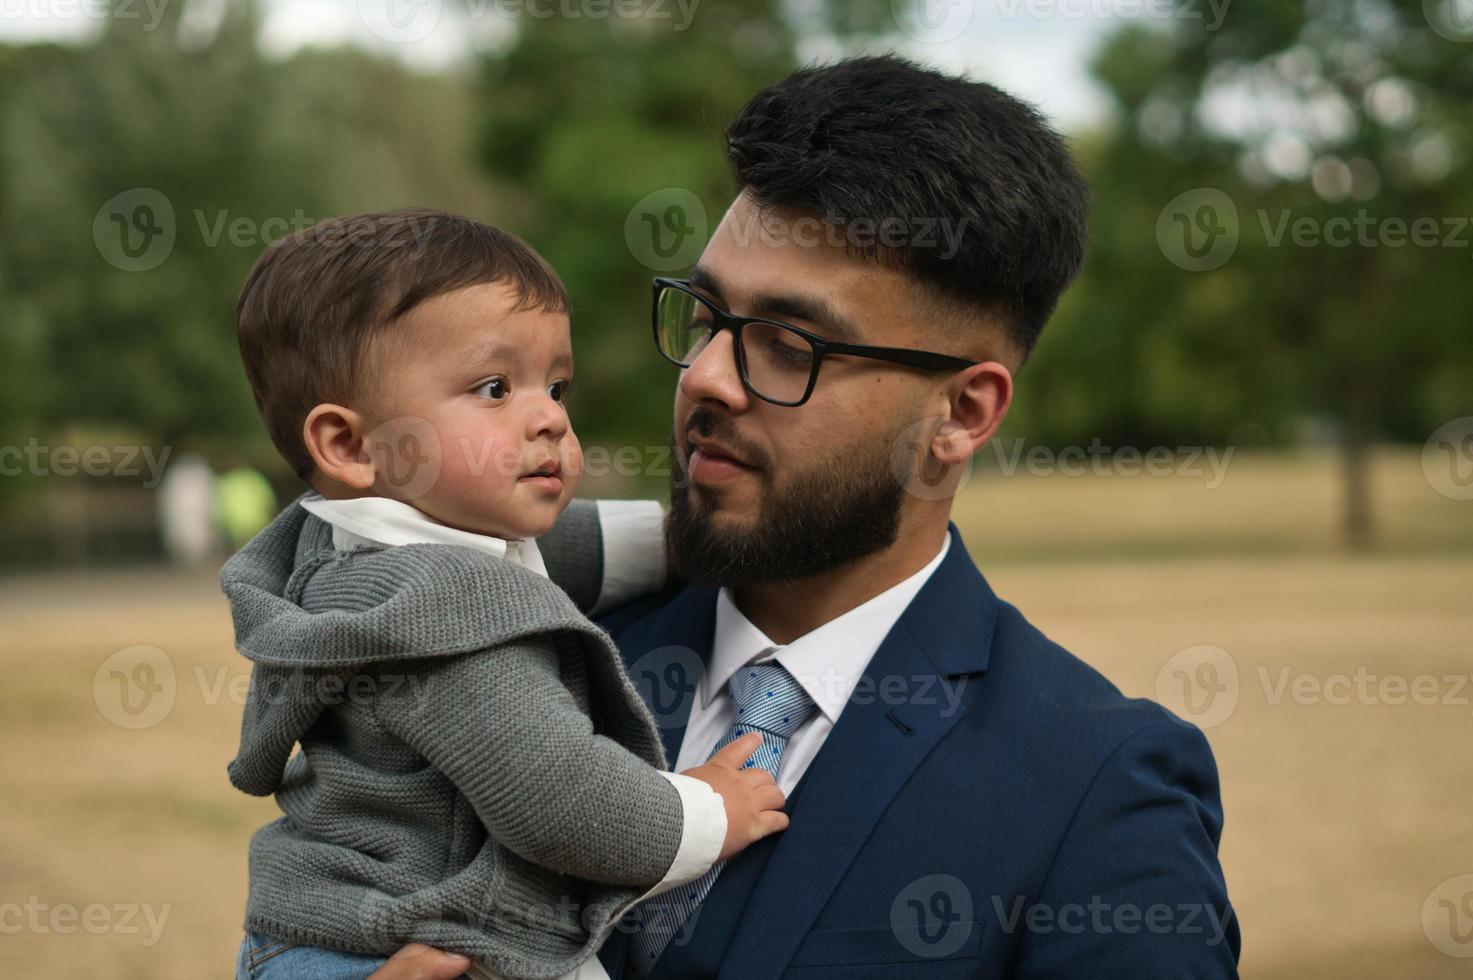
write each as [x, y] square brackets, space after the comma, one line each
[822, 346]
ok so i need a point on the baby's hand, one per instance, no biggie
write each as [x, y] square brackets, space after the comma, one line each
[753, 801]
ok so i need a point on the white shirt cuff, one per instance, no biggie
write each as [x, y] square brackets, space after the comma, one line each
[701, 837]
[634, 551]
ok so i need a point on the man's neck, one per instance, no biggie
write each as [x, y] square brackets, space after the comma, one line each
[785, 611]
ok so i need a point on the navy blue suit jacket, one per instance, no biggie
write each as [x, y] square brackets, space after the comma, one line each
[986, 806]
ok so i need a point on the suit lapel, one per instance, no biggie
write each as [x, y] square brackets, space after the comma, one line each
[666, 655]
[874, 748]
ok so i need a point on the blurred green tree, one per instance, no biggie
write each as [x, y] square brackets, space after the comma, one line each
[1333, 130]
[566, 129]
[226, 150]
[587, 118]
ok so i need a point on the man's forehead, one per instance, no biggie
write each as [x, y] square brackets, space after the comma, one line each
[854, 297]
[750, 226]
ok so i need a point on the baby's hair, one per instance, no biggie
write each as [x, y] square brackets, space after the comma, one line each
[314, 301]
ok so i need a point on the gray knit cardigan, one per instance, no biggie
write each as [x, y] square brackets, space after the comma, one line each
[477, 772]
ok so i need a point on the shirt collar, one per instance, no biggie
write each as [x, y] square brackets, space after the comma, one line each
[828, 661]
[380, 521]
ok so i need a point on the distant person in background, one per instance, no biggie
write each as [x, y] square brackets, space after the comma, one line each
[244, 503]
[186, 508]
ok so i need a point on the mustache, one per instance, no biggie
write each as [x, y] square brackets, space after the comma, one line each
[711, 425]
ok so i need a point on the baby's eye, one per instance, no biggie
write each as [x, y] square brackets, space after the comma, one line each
[559, 390]
[495, 388]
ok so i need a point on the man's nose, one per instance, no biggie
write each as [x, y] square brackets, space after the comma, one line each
[713, 376]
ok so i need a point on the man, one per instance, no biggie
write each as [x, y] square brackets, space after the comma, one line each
[967, 799]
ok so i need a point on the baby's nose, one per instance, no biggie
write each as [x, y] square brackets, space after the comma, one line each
[548, 422]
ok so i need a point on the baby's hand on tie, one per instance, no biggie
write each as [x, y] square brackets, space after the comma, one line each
[753, 801]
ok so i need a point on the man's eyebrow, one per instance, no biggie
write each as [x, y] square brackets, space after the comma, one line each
[705, 279]
[809, 309]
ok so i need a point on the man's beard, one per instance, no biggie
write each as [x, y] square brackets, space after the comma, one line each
[818, 521]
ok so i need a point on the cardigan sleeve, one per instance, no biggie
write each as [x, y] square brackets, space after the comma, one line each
[506, 730]
[608, 552]
[573, 551]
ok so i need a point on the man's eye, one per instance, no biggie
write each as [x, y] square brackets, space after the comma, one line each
[494, 388]
[559, 390]
[792, 353]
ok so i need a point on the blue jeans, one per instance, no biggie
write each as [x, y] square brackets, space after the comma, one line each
[263, 958]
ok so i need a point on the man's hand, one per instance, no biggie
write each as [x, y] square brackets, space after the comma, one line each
[753, 801]
[419, 962]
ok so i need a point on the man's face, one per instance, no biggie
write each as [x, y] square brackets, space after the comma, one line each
[765, 492]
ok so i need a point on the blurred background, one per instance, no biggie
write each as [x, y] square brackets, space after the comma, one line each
[1238, 477]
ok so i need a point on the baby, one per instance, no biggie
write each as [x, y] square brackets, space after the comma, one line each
[476, 770]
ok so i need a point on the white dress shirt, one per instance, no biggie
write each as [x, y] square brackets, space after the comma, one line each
[828, 662]
[634, 563]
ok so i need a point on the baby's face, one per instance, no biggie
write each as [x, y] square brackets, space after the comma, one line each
[466, 418]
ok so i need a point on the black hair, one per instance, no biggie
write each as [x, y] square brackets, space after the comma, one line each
[879, 139]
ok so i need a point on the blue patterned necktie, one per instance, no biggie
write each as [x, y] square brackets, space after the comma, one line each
[767, 699]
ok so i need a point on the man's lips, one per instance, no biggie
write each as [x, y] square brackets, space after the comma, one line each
[715, 450]
[710, 462]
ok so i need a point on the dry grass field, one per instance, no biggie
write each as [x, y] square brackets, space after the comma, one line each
[1348, 803]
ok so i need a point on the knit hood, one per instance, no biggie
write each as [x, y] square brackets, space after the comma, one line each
[310, 618]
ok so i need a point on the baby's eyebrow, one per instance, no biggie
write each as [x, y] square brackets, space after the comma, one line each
[489, 350]
[496, 350]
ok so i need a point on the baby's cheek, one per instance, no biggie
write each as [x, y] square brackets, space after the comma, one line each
[484, 454]
[572, 459]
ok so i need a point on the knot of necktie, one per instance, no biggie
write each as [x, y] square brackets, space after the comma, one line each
[767, 699]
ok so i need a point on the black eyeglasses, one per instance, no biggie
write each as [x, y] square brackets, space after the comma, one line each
[777, 362]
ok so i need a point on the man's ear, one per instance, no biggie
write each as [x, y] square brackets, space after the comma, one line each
[980, 398]
[334, 437]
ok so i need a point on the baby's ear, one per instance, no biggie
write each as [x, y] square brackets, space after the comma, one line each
[334, 437]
